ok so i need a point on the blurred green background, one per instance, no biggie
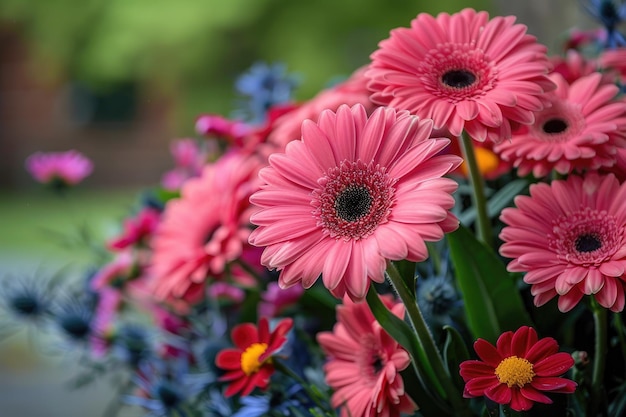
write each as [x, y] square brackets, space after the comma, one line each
[118, 80]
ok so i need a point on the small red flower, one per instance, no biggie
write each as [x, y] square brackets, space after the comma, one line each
[249, 364]
[517, 369]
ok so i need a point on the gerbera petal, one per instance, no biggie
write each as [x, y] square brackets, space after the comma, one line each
[488, 353]
[554, 365]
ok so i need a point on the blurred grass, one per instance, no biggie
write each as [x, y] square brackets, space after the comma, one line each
[37, 226]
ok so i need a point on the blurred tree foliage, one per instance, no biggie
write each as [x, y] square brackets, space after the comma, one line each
[196, 48]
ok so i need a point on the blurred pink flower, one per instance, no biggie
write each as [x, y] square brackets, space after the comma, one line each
[573, 65]
[189, 158]
[568, 237]
[59, 168]
[206, 228]
[224, 291]
[364, 363]
[137, 230]
[215, 125]
[351, 91]
[275, 300]
[581, 130]
[351, 194]
[464, 71]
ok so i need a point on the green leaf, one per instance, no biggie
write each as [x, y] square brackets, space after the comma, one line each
[497, 202]
[491, 299]
[454, 352]
[403, 334]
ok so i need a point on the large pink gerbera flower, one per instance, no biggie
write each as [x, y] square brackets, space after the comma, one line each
[206, 228]
[351, 194]
[464, 71]
[364, 363]
[581, 130]
[570, 239]
[518, 369]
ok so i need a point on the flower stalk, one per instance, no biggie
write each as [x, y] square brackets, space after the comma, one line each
[483, 222]
[425, 339]
[597, 402]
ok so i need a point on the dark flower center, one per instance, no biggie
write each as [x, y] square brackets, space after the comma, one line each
[554, 126]
[588, 243]
[353, 203]
[25, 305]
[168, 396]
[609, 14]
[458, 78]
[377, 365]
[75, 326]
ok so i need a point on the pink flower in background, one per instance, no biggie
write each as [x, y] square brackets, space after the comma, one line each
[614, 60]
[60, 168]
[518, 369]
[581, 130]
[215, 125]
[464, 71]
[352, 91]
[570, 239]
[105, 315]
[206, 228]
[353, 193]
[364, 363]
[189, 158]
[275, 300]
[573, 66]
[223, 291]
[137, 230]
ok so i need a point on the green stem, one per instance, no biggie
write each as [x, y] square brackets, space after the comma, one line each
[618, 324]
[597, 397]
[483, 222]
[281, 367]
[425, 338]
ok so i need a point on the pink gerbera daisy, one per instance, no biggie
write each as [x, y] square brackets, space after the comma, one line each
[570, 239]
[517, 370]
[364, 363]
[581, 130]
[206, 228]
[59, 168]
[354, 192]
[464, 71]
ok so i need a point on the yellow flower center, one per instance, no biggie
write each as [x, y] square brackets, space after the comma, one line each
[487, 161]
[250, 358]
[515, 371]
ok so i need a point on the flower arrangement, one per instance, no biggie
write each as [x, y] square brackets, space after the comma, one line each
[441, 234]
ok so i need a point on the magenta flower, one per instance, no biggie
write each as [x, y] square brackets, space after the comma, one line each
[570, 239]
[353, 193]
[59, 168]
[464, 71]
[365, 362]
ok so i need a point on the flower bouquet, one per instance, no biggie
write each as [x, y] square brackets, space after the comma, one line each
[443, 233]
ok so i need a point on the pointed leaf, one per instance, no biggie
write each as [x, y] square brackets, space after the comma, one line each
[491, 299]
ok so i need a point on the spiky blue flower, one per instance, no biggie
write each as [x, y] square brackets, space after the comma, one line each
[264, 86]
[610, 13]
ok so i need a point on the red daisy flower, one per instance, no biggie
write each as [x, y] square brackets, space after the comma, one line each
[581, 130]
[351, 194]
[249, 365]
[365, 362]
[464, 71]
[570, 239]
[517, 370]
